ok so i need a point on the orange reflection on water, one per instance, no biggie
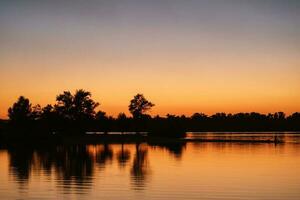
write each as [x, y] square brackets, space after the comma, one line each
[152, 171]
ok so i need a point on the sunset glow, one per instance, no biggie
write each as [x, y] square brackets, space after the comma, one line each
[242, 57]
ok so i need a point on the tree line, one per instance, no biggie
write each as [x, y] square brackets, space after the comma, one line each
[76, 114]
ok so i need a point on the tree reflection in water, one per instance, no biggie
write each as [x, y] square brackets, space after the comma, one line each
[140, 167]
[123, 156]
[74, 166]
[20, 165]
[175, 149]
[104, 155]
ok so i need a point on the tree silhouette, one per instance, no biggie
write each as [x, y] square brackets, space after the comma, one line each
[199, 116]
[76, 107]
[64, 106]
[279, 115]
[101, 115]
[122, 121]
[84, 106]
[139, 105]
[21, 110]
[47, 112]
[122, 116]
[36, 112]
[75, 113]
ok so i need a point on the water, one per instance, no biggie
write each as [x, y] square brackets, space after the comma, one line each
[288, 137]
[144, 171]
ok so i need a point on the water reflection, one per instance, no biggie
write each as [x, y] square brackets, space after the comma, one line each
[136, 171]
[74, 165]
[140, 167]
[175, 149]
[123, 156]
[290, 137]
[103, 155]
[20, 162]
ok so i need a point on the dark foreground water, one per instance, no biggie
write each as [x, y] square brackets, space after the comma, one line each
[144, 171]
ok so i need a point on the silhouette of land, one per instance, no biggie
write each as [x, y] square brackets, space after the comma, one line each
[74, 115]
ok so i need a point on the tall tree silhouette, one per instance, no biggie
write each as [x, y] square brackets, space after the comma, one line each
[139, 105]
[84, 106]
[64, 106]
[76, 107]
[21, 110]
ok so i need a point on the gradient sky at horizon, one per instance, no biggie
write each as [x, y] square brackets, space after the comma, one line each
[185, 56]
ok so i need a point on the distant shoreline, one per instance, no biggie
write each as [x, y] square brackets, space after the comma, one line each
[127, 138]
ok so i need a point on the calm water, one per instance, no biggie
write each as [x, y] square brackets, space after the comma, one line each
[289, 137]
[143, 171]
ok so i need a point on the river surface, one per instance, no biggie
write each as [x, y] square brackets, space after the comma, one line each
[221, 170]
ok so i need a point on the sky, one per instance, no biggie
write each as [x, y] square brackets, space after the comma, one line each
[185, 56]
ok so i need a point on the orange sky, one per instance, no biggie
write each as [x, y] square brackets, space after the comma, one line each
[185, 57]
